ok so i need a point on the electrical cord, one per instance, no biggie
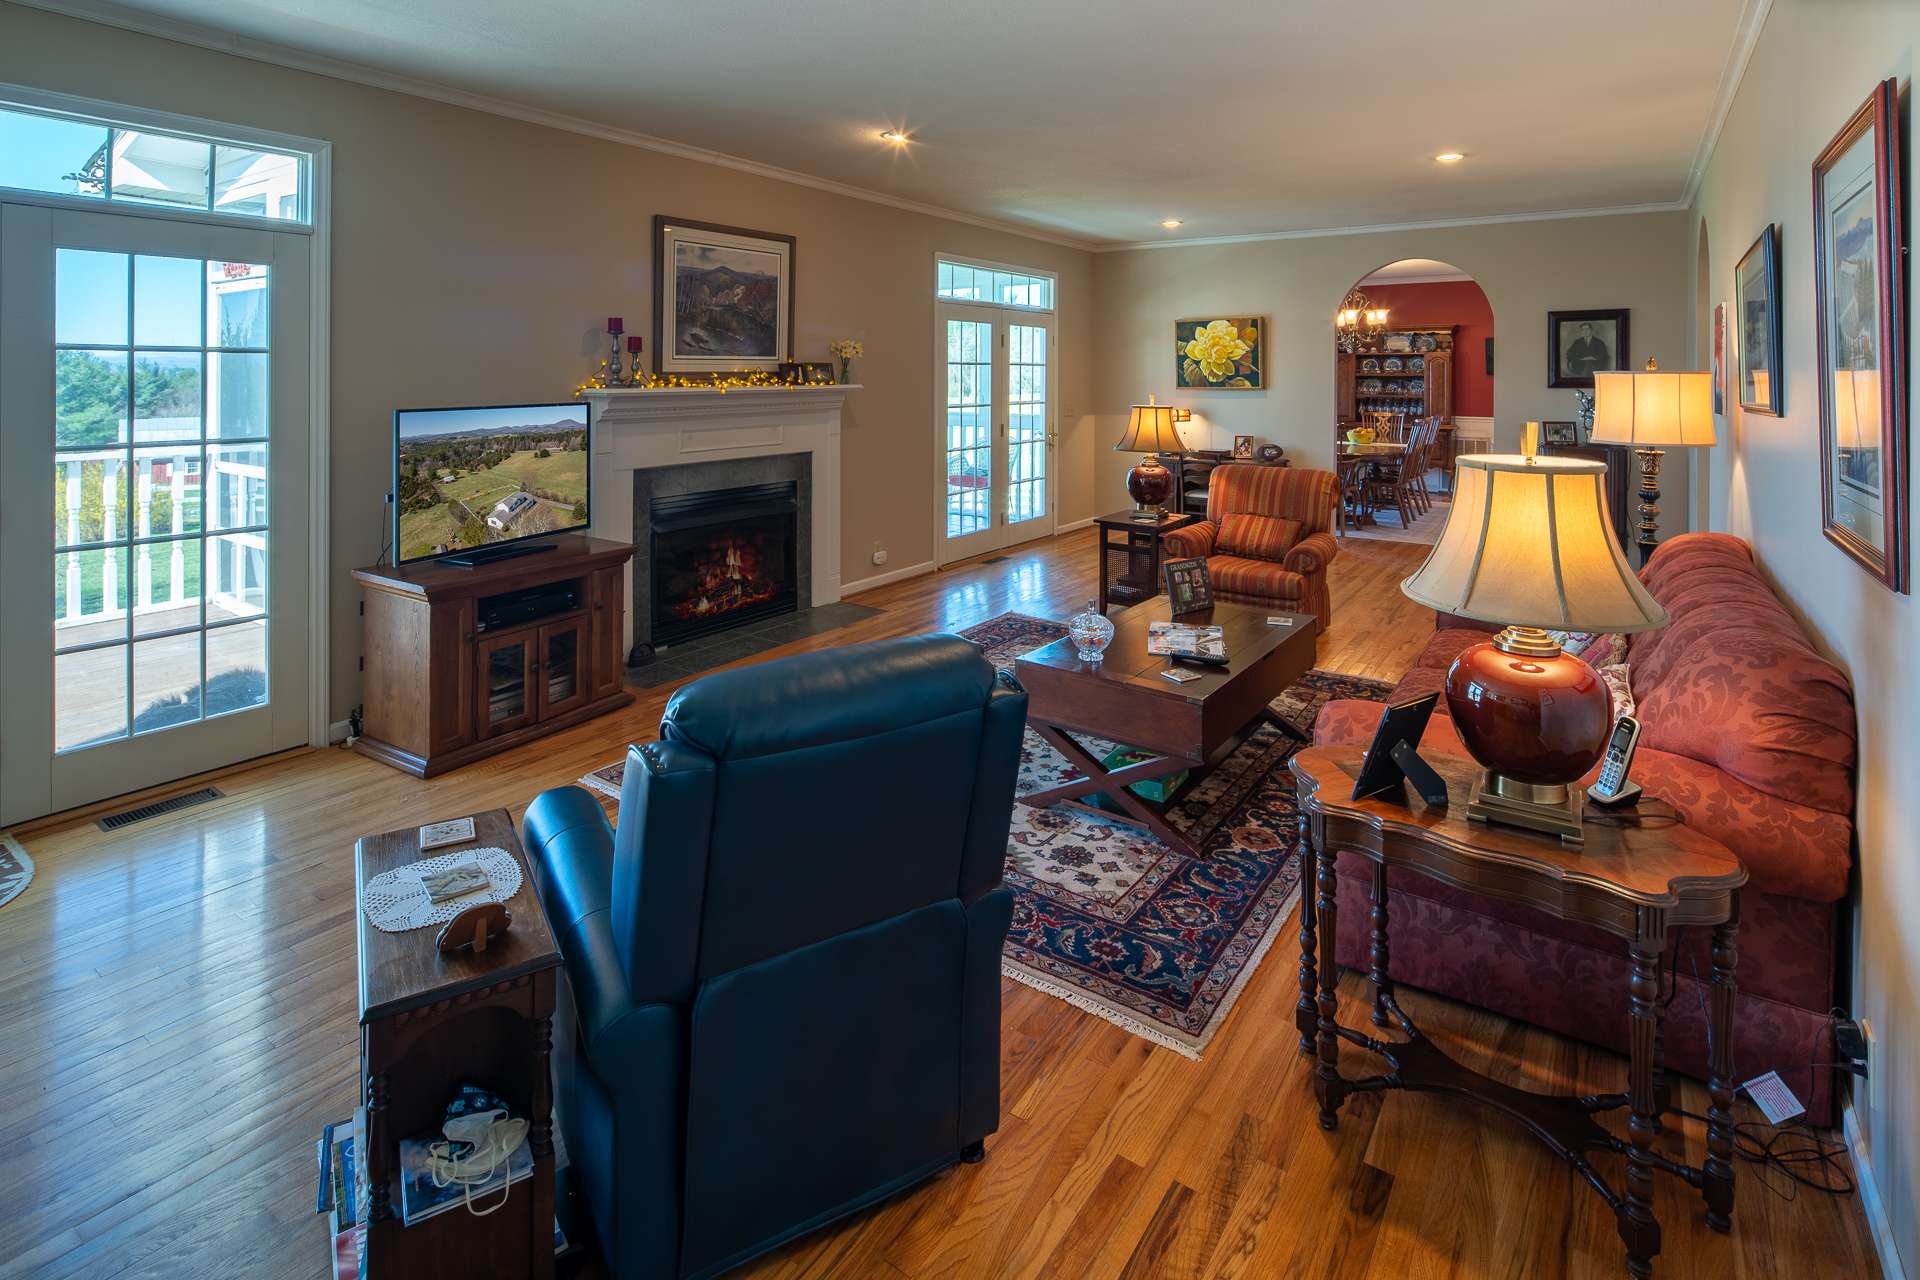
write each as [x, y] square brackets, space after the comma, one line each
[1794, 1149]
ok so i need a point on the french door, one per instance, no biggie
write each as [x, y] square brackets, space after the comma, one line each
[156, 617]
[994, 426]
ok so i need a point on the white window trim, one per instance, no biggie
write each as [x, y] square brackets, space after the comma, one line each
[319, 227]
[962, 260]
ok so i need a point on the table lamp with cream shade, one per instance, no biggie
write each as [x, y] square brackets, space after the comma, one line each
[1528, 543]
[1150, 430]
[1653, 410]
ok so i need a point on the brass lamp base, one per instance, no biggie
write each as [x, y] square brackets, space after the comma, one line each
[1555, 810]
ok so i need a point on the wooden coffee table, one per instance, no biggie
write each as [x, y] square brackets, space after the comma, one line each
[1640, 873]
[1125, 698]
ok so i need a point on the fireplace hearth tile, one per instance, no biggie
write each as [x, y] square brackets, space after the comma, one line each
[683, 662]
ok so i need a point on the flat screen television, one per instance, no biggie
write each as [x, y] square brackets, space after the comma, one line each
[476, 484]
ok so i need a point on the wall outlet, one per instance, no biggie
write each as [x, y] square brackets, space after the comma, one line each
[879, 554]
[1876, 1088]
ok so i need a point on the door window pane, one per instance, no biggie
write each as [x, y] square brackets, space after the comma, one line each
[90, 298]
[89, 397]
[166, 395]
[89, 697]
[47, 153]
[166, 302]
[89, 597]
[236, 304]
[166, 491]
[166, 682]
[89, 498]
[236, 667]
[166, 586]
[157, 168]
[1026, 422]
[236, 393]
[239, 495]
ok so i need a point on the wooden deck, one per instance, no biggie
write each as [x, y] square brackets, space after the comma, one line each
[179, 1006]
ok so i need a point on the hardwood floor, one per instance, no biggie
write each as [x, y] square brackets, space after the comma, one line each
[178, 1001]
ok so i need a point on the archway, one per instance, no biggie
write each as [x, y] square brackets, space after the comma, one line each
[1413, 361]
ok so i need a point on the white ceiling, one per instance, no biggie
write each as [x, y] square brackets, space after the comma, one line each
[1090, 121]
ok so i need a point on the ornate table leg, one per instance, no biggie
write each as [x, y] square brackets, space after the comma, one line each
[1377, 955]
[1306, 1012]
[378, 1145]
[1327, 1083]
[540, 1132]
[1719, 1168]
[1639, 1229]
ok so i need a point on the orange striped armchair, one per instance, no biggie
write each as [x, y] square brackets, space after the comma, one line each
[1267, 539]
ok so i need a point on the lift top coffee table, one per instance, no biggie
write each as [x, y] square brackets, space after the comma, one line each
[1125, 699]
[1640, 873]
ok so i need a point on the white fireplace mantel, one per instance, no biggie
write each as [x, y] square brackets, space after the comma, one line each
[637, 428]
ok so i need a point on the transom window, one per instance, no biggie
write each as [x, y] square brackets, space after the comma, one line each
[96, 159]
[965, 282]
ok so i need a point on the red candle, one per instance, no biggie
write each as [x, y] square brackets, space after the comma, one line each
[616, 325]
[633, 343]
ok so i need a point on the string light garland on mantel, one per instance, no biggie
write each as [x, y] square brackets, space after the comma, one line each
[719, 383]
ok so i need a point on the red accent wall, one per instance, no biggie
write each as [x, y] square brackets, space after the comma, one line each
[1460, 302]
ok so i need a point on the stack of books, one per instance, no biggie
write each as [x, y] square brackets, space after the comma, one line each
[343, 1195]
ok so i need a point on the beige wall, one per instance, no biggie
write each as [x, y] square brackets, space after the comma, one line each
[1815, 63]
[475, 259]
[1526, 268]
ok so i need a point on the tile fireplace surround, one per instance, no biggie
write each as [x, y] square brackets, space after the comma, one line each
[643, 430]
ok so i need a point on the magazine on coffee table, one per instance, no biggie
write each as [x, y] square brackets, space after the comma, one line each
[1182, 640]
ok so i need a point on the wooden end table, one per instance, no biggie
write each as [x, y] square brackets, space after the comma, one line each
[1640, 873]
[1138, 547]
[431, 1022]
[1124, 698]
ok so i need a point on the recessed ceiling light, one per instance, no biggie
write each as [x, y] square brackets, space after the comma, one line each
[897, 137]
[1171, 223]
[1450, 157]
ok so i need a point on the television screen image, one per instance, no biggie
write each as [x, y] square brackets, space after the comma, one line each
[467, 478]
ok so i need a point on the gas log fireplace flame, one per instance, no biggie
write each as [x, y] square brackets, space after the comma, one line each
[730, 577]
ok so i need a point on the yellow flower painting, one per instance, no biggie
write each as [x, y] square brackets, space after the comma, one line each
[1222, 354]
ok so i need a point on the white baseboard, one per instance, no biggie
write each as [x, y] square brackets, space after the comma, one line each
[1870, 1200]
[1071, 526]
[337, 731]
[883, 579]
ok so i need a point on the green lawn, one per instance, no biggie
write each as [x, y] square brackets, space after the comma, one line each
[562, 473]
[93, 567]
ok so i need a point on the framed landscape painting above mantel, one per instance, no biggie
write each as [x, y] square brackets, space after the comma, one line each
[1859, 290]
[723, 298]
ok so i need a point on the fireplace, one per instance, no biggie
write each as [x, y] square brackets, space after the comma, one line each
[721, 558]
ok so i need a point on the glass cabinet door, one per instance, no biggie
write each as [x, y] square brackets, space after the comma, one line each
[562, 672]
[506, 689]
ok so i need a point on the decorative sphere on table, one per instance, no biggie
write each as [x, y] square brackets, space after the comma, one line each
[1149, 481]
[1538, 720]
[1091, 632]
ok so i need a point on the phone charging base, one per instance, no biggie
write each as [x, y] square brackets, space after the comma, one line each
[1628, 793]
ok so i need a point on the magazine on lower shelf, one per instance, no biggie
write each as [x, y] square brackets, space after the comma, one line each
[1185, 640]
[420, 1199]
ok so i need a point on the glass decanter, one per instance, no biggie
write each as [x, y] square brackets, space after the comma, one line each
[1091, 632]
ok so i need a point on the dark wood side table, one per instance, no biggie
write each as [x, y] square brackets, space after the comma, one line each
[1135, 544]
[1640, 873]
[430, 1023]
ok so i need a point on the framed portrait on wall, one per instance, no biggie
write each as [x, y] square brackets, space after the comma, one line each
[1583, 343]
[1859, 292]
[723, 298]
[1756, 298]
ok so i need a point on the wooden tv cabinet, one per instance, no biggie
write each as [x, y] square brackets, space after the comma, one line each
[441, 689]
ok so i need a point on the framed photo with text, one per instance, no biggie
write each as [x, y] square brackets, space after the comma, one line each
[1189, 587]
[1860, 296]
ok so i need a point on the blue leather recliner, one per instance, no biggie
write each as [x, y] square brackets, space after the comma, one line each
[785, 965]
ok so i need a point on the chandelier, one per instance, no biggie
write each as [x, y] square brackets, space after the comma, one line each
[1359, 323]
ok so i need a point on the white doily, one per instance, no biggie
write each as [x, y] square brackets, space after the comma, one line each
[397, 900]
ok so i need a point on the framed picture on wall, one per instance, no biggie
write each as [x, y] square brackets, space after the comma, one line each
[1859, 292]
[1219, 353]
[723, 298]
[1756, 292]
[1582, 343]
[1719, 358]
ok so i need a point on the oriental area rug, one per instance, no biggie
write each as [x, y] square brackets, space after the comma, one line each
[1114, 922]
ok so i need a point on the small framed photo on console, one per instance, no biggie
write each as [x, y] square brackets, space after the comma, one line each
[1394, 754]
[1189, 587]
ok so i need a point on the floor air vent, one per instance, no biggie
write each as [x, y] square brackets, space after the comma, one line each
[185, 800]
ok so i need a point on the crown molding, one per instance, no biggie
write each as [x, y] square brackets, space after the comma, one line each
[106, 13]
[1746, 34]
[1485, 220]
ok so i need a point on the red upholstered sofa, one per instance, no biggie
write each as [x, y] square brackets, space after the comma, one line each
[1749, 733]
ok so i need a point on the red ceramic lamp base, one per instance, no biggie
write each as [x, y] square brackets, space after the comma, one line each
[1149, 482]
[1538, 719]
